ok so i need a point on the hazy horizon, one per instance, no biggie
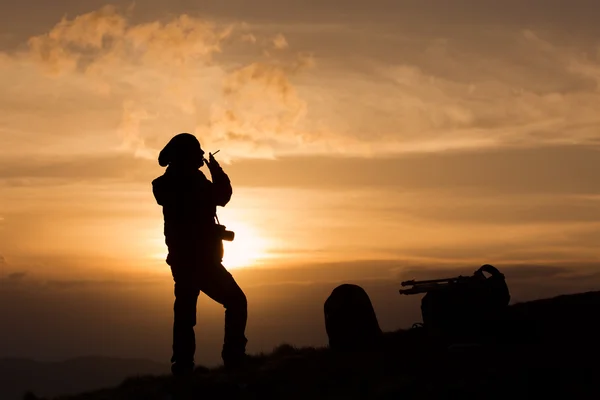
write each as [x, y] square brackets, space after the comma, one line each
[365, 141]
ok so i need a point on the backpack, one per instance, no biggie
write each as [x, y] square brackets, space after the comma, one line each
[470, 310]
[350, 319]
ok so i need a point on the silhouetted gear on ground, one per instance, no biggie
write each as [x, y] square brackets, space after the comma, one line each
[350, 320]
[470, 310]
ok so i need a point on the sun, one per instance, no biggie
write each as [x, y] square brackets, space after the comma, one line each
[246, 250]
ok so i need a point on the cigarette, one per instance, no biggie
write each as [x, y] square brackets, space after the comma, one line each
[216, 152]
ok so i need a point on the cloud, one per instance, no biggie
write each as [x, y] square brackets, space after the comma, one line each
[119, 84]
[513, 272]
[111, 84]
[462, 93]
[280, 42]
[71, 169]
[548, 170]
[249, 38]
[15, 276]
[12, 278]
[97, 40]
[91, 102]
[129, 128]
[262, 109]
[510, 205]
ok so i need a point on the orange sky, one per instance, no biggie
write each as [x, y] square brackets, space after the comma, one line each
[401, 132]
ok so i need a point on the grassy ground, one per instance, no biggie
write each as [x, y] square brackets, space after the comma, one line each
[549, 350]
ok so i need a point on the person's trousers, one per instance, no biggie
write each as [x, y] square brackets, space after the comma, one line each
[218, 284]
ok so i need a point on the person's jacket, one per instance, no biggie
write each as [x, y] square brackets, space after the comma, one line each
[189, 201]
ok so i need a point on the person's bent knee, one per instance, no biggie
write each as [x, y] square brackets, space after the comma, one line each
[240, 300]
[244, 300]
[237, 300]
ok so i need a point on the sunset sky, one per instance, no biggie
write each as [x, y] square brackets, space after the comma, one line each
[366, 141]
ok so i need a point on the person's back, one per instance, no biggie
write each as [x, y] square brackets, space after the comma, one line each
[188, 208]
[189, 202]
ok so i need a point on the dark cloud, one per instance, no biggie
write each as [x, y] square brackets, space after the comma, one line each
[512, 272]
[508, 211]
[545, 170]
[15, 276]
[72, 169]
[558, 246]
[272, 10]
[576, 15]
[506, 171]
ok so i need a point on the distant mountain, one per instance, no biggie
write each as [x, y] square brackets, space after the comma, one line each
[18, 375]
[548, 349]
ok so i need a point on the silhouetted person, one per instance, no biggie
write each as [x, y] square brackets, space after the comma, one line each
[189, 202]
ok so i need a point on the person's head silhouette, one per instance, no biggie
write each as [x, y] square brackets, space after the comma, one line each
[183, 150]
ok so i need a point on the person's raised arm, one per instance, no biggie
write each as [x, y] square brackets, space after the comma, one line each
[221, 185]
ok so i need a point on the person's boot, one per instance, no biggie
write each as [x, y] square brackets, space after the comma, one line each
[234, 354]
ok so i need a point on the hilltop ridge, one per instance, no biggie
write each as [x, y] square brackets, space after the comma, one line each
[548, 349]
[48, 377]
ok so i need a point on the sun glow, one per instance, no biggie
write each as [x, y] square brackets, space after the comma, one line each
[246, 250]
